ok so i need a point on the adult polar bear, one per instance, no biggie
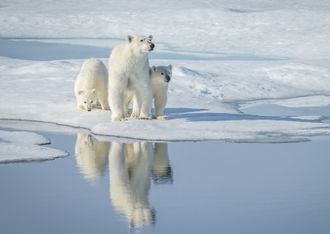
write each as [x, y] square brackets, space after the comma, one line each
[129, 71]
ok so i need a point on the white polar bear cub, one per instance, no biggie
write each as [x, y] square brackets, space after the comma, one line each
[129, 71]
[91, 85]
[160, 76]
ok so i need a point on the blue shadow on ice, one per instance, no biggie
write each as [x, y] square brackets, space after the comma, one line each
[196, 115]
[170, 111]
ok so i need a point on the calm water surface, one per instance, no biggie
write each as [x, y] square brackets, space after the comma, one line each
[145, 187]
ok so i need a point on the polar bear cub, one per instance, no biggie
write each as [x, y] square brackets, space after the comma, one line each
[91, 85]
[160, 76]
[129, 70]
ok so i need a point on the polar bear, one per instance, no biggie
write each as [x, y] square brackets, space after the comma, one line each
[160, 76]
[130, 171]
[91, 85]
[91, 156]
[129, 70]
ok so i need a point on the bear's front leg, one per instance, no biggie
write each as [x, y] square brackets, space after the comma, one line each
[117, 86]
[102, 97]
[116, 96]
[117, 113]
[104, 104]
[160, 103]
[144, 100]
[135, 109]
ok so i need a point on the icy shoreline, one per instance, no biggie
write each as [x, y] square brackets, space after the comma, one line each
[260, 131]
[21, 146]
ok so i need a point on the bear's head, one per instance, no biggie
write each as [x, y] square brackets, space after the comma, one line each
[141, 44]
[89, 158]
[161, 74]
[87, 98]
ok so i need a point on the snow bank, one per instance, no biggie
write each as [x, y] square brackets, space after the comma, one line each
[19, 146]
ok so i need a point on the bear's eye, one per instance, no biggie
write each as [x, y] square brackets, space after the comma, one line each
[85, 102]
[141, 40]
[162, 73]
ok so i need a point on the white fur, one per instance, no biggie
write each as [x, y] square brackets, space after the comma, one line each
[130, 171]
[91, 85]
[91, 156]
[159, 76]
[129, 72]
[159, 86]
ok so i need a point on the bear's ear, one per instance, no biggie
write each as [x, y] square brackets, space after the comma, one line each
[130, 38]
[80, 92]
[170, 67]
[93, 91]
[153, 68]
[150, 37]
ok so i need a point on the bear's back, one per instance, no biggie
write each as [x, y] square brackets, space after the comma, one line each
[93, 72]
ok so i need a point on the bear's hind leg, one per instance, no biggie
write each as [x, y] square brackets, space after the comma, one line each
[143, 98]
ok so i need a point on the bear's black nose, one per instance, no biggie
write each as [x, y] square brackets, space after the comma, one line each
[168, 78]
[152, 46]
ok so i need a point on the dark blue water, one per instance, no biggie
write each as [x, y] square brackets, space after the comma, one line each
[145, 187]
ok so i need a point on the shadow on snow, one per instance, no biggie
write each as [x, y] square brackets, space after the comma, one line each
[192, 114]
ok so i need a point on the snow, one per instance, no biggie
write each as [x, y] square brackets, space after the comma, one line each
[285, 28]
[245, 71]
[20, 146]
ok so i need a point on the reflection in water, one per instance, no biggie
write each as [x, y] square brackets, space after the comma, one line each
[161, 168]
[131, 166]
[91, 156]
[130, 169]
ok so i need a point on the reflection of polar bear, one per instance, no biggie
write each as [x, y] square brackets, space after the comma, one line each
[91, 155]
[129, 70]
[130, 169]
[160, 76]
[91, 85]
[161, 168]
